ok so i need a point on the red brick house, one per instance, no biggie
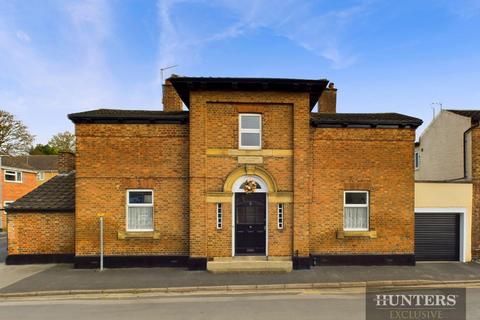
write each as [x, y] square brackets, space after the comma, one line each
[248, 170]
[22, 174]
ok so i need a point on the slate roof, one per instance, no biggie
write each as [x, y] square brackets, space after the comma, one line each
[128, 116]
[320, 119]
[31, 162]
[57, 194]
[474, 114]
[184, 85]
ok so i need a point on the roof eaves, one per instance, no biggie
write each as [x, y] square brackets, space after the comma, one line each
[183, 86]
[90, 117]
[372, 123]
[26, 209]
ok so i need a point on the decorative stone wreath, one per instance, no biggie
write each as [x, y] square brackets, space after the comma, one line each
[249, 186]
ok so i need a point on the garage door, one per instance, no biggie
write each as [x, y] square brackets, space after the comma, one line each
[437, 236]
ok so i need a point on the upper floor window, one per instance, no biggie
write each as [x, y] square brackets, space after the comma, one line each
[417, 160]
[139, 210]
[250, 131]
[355, 215]
[40, 175]
[13, 176]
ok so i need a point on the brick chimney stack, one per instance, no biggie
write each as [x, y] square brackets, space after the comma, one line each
[66, 162]
[171, 99]
[328, 100]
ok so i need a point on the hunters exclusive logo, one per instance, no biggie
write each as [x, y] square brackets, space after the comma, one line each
[416, 304]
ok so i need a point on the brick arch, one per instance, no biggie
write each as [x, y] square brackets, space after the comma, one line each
[250, 170]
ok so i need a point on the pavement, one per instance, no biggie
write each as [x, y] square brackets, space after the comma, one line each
[63, 277]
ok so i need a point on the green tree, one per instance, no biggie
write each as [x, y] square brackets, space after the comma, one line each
[15, 139]
[43, 149]
[63, 141]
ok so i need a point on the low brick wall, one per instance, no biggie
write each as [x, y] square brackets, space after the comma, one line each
[41, 233]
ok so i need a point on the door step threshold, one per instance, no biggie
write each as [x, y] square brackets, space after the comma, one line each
[242, 265]
[253, 258]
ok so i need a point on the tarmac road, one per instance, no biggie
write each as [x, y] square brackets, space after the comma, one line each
[298, 306]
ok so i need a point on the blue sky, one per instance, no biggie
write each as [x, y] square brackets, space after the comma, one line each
[58, 57]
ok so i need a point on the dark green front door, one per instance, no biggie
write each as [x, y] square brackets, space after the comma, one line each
[250, 223]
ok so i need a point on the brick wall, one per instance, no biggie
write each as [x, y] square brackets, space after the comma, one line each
[171, 100]
[319, 165]
[41, 233]
[214, 125]
[66, 162]
[112, 158]
[376, 160]
[476, 193]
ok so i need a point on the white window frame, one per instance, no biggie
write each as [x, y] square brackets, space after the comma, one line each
[219, 211]
[367, 205]
[128, 204]
[416, 160]
[280, 215]
[241, 130]
[5, 205]
[13, 172]
[41, 175]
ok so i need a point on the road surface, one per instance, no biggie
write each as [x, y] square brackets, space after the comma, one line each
[291, 306]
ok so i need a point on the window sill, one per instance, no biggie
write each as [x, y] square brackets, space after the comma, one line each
[341, 234]
[122, 235]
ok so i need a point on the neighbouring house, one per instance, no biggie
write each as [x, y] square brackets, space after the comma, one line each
[247, 170]
[22, 174]
[448, 152]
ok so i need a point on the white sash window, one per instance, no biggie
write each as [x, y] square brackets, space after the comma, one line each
[250, 131]
[355, 216]
[139, 210]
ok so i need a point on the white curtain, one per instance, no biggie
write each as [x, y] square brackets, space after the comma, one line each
[140, 218]
[356, 218]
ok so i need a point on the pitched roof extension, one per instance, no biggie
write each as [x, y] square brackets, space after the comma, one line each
[31, 162]
[55, 195]
[320, 119]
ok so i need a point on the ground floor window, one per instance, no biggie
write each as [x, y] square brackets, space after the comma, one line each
[140, 210]
[219, 216]
[280, 216]
[355, 216]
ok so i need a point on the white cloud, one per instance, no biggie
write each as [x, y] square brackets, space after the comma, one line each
[42, 89]
[321, 34]
[463, 8]
[22, 35]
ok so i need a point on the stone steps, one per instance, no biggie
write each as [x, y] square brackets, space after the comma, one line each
[250, 264]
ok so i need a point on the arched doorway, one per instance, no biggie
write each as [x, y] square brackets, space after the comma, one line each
[249, 216]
